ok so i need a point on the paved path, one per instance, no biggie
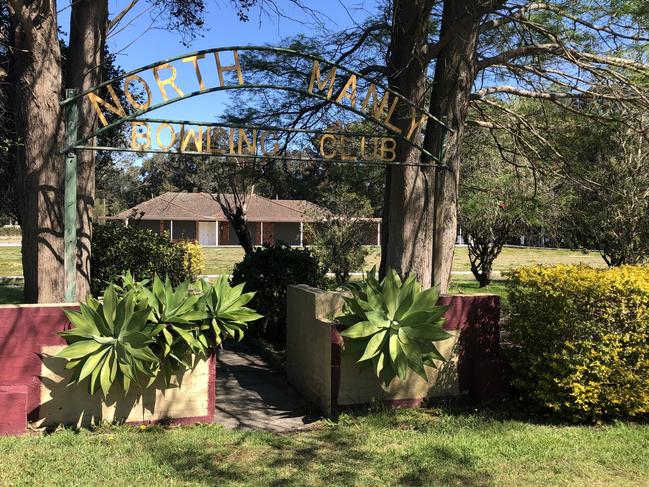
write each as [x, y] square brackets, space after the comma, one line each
[250, 395]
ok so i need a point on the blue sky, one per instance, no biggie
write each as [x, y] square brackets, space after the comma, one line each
[138, 45]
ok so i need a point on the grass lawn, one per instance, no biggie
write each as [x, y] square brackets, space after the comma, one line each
[400, 448]
[220, 261]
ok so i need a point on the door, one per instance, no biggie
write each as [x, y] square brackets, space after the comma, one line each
[207, 233]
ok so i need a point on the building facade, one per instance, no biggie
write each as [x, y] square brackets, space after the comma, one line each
[198, 217]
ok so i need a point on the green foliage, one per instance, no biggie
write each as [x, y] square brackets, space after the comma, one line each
[498, 201]
[116, 248]
[607, 204]
[109, 341]
[141, 331]
[268, 271]
[339, 236]
[225, 307]
[580, 339]
[394, 325]
[10, 232]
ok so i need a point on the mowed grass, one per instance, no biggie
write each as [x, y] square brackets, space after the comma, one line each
[399, 448]
[10, 261]
[222, 260]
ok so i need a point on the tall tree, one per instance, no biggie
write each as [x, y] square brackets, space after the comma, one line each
[37, 81]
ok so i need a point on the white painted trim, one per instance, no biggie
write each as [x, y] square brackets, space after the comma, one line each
[171, 229]
[216, 223]
[301, 234]
[261, 233]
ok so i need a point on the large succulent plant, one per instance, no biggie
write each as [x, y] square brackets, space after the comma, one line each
[393, 325]
[227, 314]
[109, 341]
[143, 330]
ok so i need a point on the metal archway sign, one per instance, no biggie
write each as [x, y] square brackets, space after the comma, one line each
[223, 69]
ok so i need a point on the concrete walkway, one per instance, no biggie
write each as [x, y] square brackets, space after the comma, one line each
[250, 395]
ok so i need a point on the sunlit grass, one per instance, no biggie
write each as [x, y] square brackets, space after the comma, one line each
[400, 448]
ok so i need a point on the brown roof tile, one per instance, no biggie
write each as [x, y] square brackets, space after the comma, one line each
[201, 206]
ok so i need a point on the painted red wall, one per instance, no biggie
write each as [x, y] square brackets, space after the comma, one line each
[24, 330]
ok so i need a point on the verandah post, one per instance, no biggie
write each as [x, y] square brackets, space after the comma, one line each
[70, 198]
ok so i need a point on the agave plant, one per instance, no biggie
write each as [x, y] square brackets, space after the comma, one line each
[109, 341]
[226, 310]
[176, 315]
[393, 325]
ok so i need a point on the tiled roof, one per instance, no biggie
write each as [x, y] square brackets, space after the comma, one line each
[202, 207]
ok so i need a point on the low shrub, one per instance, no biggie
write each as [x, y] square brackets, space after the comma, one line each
[194, 258]
[117, 248]
[580, 339]
[268, 271]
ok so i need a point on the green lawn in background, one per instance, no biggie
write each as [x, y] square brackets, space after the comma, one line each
[399, 448]
[10, 261]
[222, 260]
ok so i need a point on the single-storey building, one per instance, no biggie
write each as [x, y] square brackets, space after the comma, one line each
[197, 216]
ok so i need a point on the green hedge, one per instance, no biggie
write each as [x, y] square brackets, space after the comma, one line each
[580, 339]
[268, 271]
[117, 248]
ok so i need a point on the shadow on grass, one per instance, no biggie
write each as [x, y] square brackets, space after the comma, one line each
[334, 455]
[11, 295]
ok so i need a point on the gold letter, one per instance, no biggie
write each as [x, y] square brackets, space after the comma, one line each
[235, 67]
[351, 82]
[343, 154]
[415, 124]
[251, 146]
[391, 149]
[363, 155]
[315, 77]
[135, 135]
[322, 147]
[220, 133]
[377, 111]
[186, 136]
[129, 96]
[172, 138]
[389, 116]
[117, 109]
[171, 81]
[262, 142]
[194, 59]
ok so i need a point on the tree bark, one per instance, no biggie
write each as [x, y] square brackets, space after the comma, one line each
[407, 213]
[240, 227]
[88, 27]
[37, 91]
[455, 71]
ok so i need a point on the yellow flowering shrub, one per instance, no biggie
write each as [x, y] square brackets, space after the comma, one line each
[580, 339]
[194, 259]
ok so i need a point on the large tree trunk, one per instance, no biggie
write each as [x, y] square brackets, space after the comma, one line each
[407, 224]
[88, 25]
[455, 71]
[37, 91]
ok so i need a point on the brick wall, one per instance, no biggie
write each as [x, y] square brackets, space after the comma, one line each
[32, 383]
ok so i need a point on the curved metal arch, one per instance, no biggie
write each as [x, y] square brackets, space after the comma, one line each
[133, 116]
[282, 50]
